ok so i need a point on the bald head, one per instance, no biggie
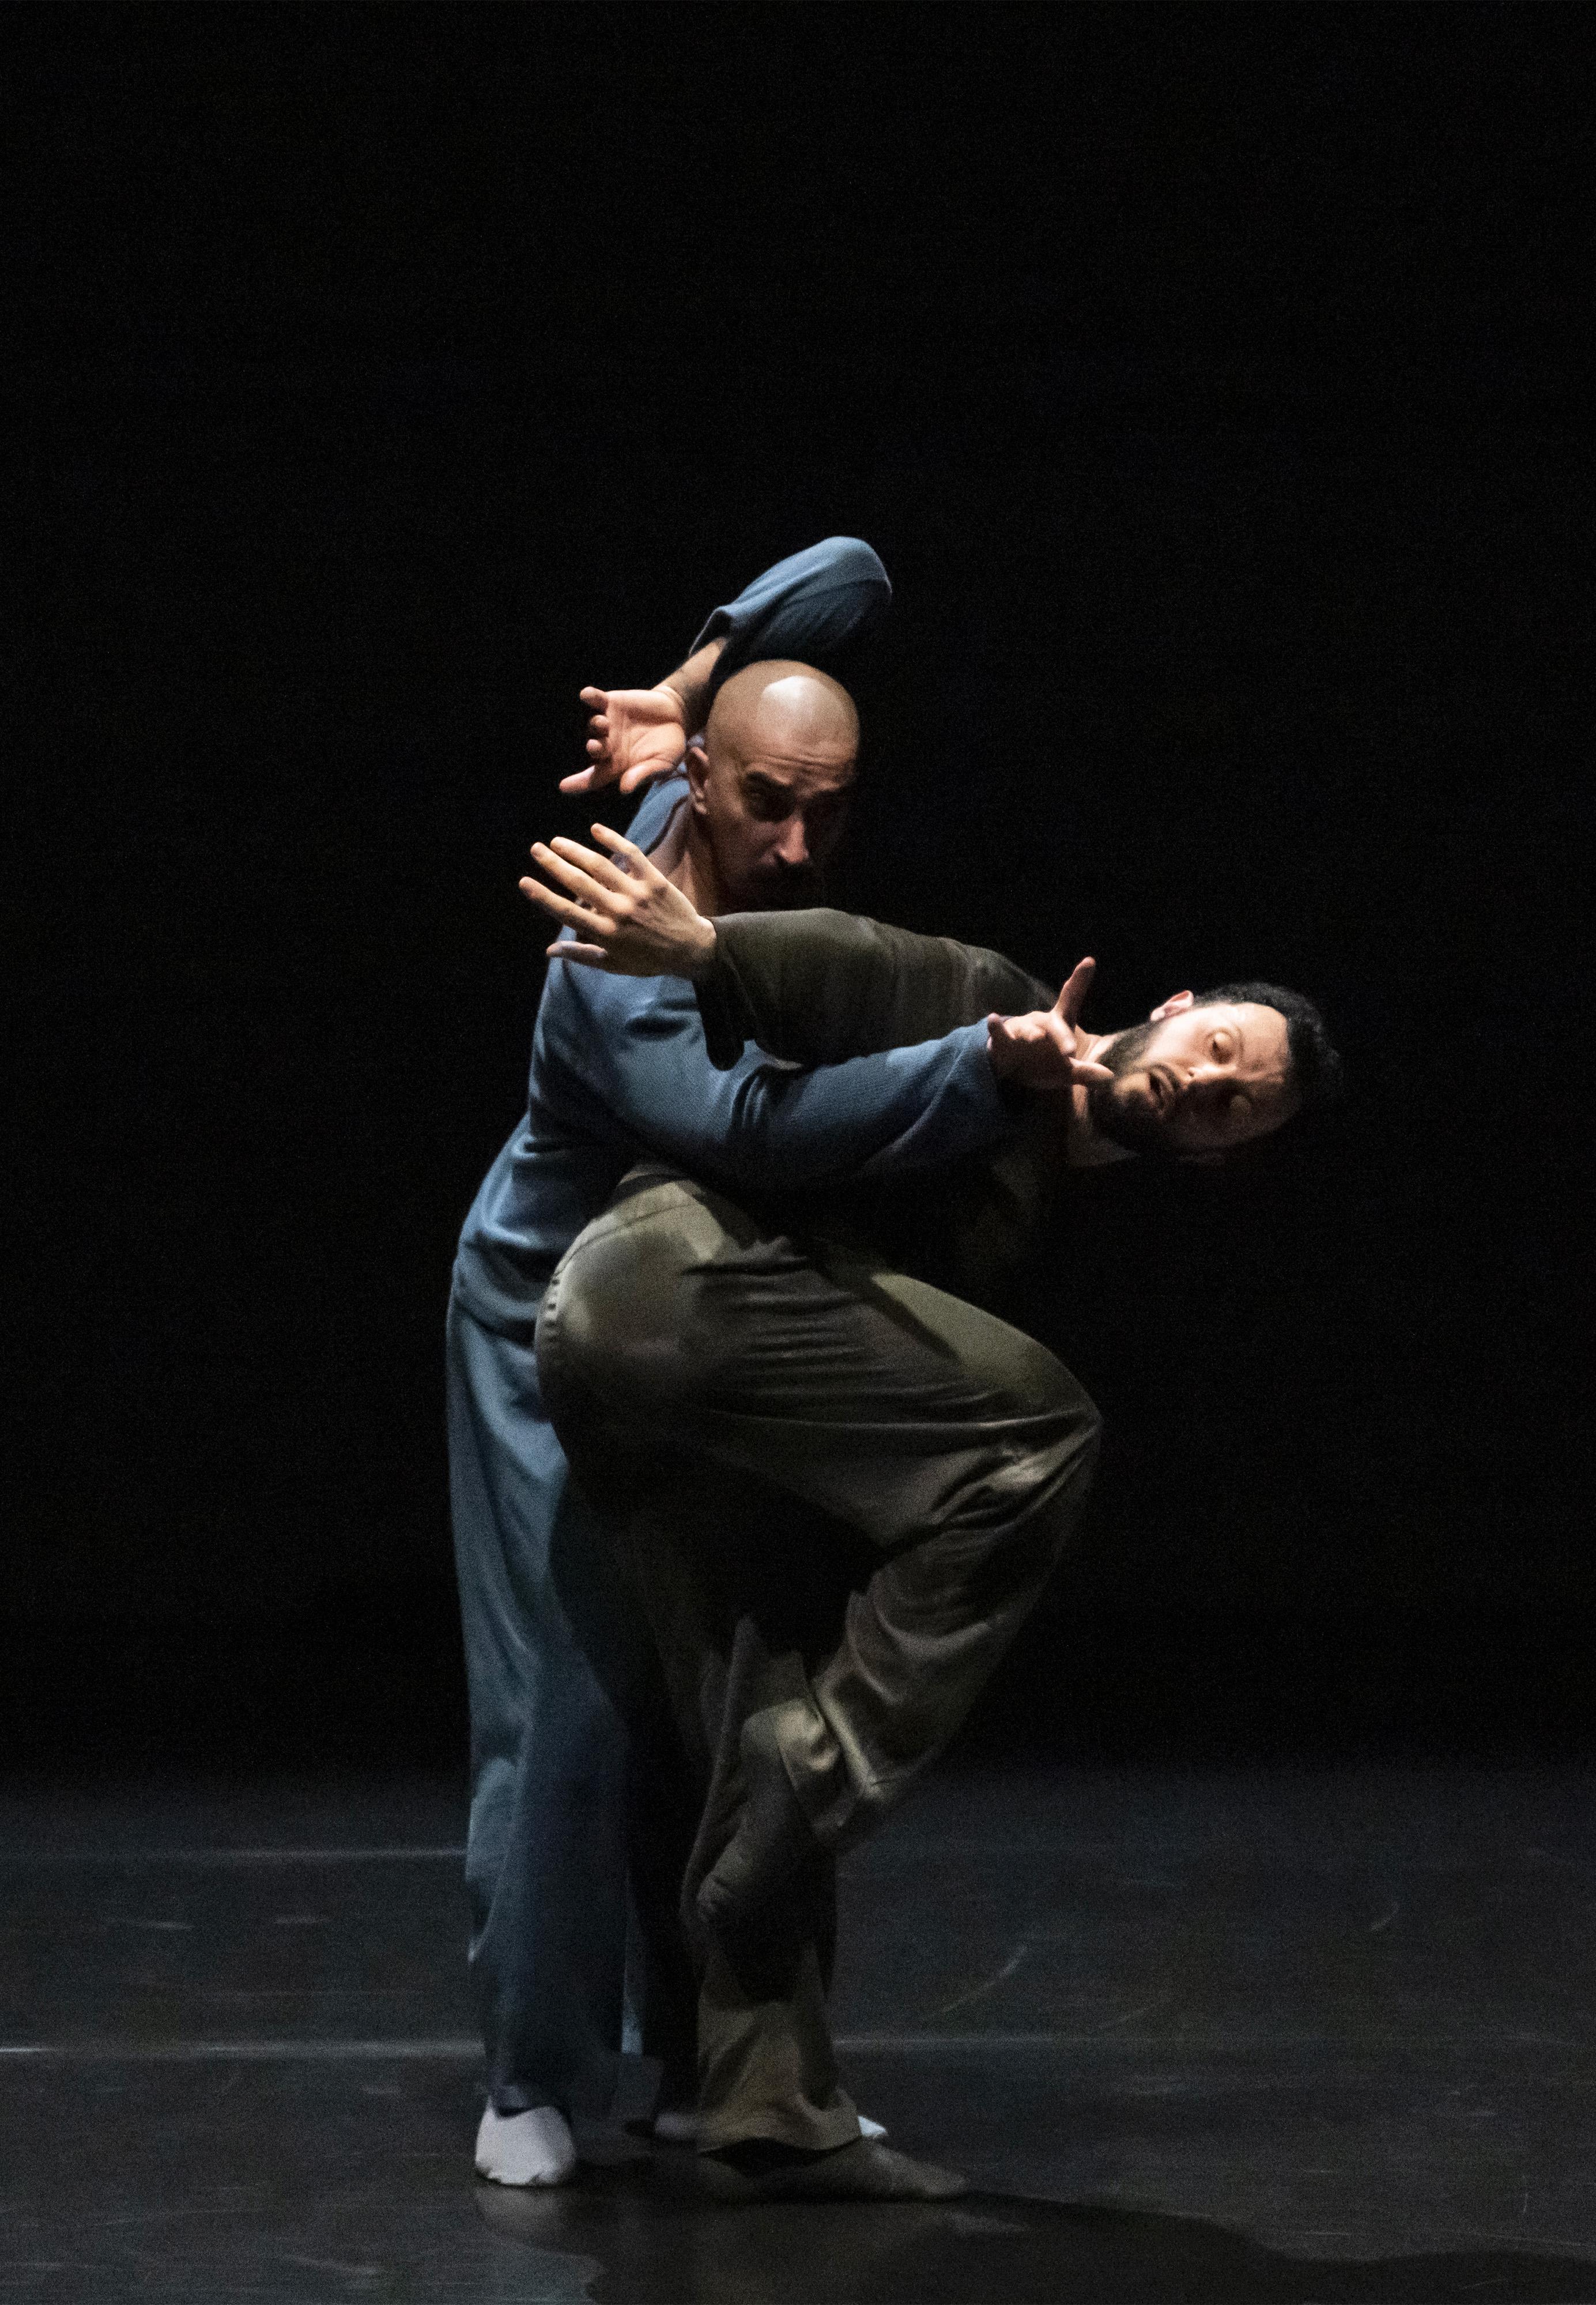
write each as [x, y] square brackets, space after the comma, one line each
[770, 788]
[787, 708]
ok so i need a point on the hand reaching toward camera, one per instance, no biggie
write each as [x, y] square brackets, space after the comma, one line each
[1038, 1050]
[629, 919]
[634, 734]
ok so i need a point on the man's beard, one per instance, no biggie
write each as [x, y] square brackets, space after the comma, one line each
[1135, 1128]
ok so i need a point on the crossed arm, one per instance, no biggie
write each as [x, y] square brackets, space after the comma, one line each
[811, 605]
[816, 986]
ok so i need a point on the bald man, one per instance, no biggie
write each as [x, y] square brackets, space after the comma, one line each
[555, 1656]
[766, 792]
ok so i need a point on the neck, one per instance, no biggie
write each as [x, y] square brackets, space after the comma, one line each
[1085, 1147]
[688, 863]
[694, 872]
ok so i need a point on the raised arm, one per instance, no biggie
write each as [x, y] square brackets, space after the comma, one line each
[811, 607]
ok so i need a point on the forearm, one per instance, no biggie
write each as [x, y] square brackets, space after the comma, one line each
[766, 1127]
[693, 683]
[639, 1060]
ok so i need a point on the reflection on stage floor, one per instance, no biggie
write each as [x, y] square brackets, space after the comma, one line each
[1310, 2034]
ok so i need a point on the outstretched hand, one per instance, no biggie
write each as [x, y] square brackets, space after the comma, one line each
[1038, 1050]
[629, 919]
[634, 734]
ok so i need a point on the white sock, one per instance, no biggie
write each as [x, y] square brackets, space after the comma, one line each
[678, 2124]
[525, 2149]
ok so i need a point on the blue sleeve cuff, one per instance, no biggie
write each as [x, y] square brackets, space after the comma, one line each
[974, 1070]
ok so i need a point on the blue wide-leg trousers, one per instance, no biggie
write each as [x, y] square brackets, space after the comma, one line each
[553, 1651]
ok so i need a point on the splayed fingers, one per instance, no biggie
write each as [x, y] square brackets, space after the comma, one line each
[634, 734]
[628, 918]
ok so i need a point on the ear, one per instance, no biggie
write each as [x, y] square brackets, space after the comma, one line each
[696, 762]
[1176, 1005]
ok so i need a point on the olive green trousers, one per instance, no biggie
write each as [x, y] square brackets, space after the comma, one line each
[838, 1493]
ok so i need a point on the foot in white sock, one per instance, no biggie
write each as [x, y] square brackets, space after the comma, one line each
[525, 2149]
[678, 2124]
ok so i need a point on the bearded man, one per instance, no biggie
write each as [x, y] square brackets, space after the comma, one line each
[836, 1479]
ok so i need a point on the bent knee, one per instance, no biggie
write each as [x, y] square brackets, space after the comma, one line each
[1086, 1428]
[1074, 1424]
[609, 1321]
[1050, 1390]
[1087, 1416]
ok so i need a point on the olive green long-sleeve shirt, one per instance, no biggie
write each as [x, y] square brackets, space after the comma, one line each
[818, 987]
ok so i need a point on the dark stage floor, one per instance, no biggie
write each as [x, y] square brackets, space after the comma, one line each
[1312, 2036]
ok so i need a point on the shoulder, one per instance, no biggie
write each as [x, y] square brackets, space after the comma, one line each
[655, 809]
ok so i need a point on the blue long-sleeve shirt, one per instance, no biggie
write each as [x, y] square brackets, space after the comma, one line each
[620, 1068]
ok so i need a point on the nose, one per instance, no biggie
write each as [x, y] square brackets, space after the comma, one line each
[792, 846]
[1204, 1084]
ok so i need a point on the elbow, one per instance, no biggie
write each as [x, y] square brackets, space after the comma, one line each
[856, 564]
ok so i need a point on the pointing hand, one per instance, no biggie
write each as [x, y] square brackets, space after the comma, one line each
[1038, 1050]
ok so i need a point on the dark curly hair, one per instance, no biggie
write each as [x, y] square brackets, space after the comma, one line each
[1314, 1060]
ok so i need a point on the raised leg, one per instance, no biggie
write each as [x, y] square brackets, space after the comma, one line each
[774, 1427]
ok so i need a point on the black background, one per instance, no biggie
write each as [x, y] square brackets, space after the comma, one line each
[1215, 384]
